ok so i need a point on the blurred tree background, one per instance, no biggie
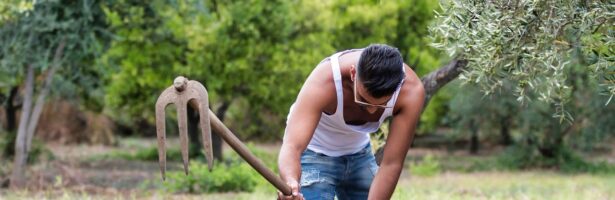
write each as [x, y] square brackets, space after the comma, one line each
[557, 61]
[533, 77]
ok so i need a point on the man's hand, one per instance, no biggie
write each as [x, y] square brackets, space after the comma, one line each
[294, 187]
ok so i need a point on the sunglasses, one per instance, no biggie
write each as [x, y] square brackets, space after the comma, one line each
[356, 99]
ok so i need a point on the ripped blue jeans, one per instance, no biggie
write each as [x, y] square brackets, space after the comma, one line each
[348, 176]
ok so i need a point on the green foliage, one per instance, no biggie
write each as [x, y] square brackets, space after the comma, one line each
[529, 42]
[232, 49]
[518, 158]
[403, 24]
[143, 54]
[7, 147]
[223, 178]
[31, 31]
[436, 111]
[270, 159]
[378, 139]
[534, 124]
[254, 56]
[146, 154]
[174, 154]
[10, 8]
[151, 154]
[38, 152]
[470, 109]
[232, 175]
[429, 166]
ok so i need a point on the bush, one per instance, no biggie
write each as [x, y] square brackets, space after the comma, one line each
[7, 147]
[151, 154]
[231, 175]
[429, 166]
[38, 150]
[223, 178]
[270, 159]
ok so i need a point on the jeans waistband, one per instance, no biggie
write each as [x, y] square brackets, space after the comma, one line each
[365, 150]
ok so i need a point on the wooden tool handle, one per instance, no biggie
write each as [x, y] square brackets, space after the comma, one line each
[243, 151]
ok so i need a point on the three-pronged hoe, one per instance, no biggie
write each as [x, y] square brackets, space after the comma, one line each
[183, 93]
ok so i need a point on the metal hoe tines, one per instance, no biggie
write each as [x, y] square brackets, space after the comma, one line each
[184, 92]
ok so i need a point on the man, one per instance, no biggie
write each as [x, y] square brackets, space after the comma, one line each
[345, 98]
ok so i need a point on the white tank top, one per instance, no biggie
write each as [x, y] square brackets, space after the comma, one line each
[333, 137]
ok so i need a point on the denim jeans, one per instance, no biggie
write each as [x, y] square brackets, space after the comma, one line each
[348, 177]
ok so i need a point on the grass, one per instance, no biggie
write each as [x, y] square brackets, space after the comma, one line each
[440, 176]
[482, 185]
[507, 185]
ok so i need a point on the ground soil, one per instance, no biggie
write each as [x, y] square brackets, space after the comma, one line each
[84, 169]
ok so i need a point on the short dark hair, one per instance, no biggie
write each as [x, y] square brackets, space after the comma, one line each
[380, 69]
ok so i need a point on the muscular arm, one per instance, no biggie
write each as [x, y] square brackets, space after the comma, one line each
[398, 141]
[315, 94]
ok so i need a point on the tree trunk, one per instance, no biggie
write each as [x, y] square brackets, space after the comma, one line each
[505, 132]
[40, 102]
[474, 143]
[215, 139]
[433, 82]
[193, 132]
[439, 78]
[29, 118]
[11, 123]
[552, 147]
[11, 111]
[21, 155]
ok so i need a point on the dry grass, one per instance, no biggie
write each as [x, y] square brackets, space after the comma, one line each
[507, 185]
[491, 185]
[74, 176]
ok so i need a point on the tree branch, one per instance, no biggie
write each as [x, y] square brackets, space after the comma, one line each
[21, 155]
[40, 101]
[437, 79]
[432, 83]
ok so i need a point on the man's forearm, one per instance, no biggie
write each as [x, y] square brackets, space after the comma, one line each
[385, 181]
[289, 164]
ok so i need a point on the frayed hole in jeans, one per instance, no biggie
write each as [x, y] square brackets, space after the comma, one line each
[309, 177]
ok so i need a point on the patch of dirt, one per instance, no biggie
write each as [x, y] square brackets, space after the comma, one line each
[116, 174]
[78, 152]
[82, 168]
[76, 168]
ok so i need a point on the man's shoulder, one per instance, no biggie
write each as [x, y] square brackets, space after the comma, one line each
[321, 75]
[318, 91]
[320, 80]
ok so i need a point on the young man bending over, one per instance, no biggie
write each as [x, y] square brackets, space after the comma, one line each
[326, 150]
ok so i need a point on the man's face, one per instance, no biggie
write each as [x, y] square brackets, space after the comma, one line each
[363, 98]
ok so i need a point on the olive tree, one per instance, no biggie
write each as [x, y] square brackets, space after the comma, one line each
[46, 39]
[547, 50]
[531, 42]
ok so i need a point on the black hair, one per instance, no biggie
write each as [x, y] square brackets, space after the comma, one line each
[380, 69]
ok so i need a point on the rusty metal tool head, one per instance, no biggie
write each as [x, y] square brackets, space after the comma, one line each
[184, 92]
